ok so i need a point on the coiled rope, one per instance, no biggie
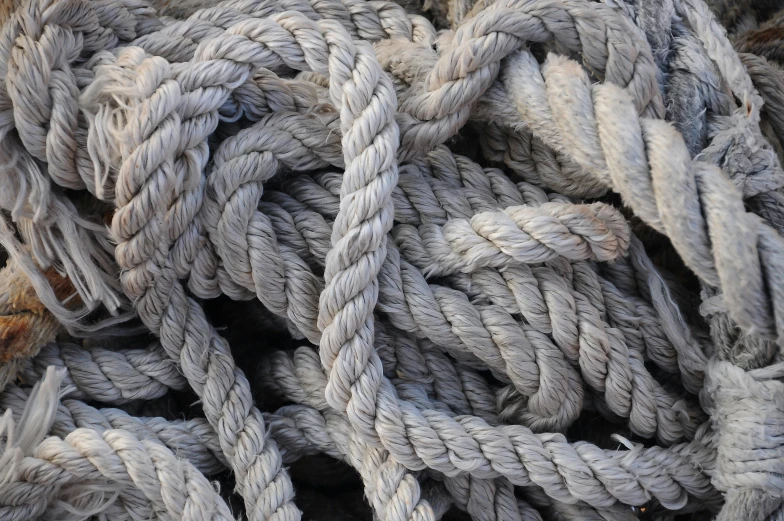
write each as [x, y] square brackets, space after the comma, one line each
[433, 212]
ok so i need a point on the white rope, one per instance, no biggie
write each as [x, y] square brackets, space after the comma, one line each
[381, 188]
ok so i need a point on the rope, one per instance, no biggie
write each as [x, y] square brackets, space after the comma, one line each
[304, 429]
[143, 474]
[532, 449]
[108, 376]
[749, 304]
[421, 199]
[191, 317]
[383, 190]
[581, 341]
[746, 467]
[25, 322]
[192, 440]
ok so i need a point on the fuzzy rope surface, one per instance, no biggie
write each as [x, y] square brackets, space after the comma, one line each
[47, 468]
[339, 172]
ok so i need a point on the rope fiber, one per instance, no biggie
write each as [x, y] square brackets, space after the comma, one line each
[517, 260]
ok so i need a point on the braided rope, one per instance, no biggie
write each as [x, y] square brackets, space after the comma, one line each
[533, 161]
[38, 42]
[496, 104]
[308, 431]
[419, 363]
[751, 161]
[391, 489]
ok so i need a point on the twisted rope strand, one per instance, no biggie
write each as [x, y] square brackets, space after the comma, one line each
[455, 309]
[171, 486]
[531, 160]
[587, 320]
[522, 234]
[192, 440]
[443, 186]
[149, 478]
[307, 431]
[268, 252]
[495, 102]
[143, 195]
[220, 48]
[515, 447]
[306, 436]
[39, 42]
[447, 92]
[418, 362]
[479, 497]
[674, 205]
[108, 376]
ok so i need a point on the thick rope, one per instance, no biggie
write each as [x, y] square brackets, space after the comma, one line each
[282, 497]
[511, 441]
[574, 347]
[193, 440]
[344, 78]
[266, 255]
[308, 430]
[142, 473]
[108, 376]
[438, 189]
[265, 151]
[746, 407]
[682, 195]
[161, 301]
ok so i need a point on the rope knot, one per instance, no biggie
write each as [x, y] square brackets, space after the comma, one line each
[748, 414]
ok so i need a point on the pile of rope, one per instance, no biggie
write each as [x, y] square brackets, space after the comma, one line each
[521, 259]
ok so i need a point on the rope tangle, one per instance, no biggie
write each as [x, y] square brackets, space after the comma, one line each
[518, 235]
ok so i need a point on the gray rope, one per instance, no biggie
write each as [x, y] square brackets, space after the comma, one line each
[163, 305]
[438, 111]
[391, 489]
[533, 161]
[496, 100]
[203, 346]
[108, 376]
[181, 145]
[422, 199]
[748, 302]
[746, 407]
[665, 487]
[145, 474]
[574, 347]
[193, 440]
[270, 253]
[357, 57]
[483, 498]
